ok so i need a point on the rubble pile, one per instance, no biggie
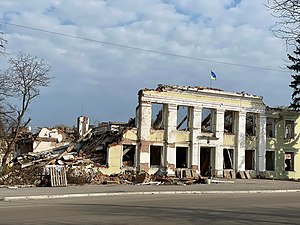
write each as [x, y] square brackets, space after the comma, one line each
[24, 176]
[83, 160]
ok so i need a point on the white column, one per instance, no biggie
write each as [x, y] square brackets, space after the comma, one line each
[261, 144]
[195, 133]
[219, 147]
[144, 135]
[170, 136]
[240, 142]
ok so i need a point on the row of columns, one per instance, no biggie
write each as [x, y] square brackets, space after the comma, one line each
[170, 139]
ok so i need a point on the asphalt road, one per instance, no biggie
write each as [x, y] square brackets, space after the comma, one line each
[259, 208]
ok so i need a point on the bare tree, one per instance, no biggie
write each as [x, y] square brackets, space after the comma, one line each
[21, 83]
[2, 43]
[287, 13]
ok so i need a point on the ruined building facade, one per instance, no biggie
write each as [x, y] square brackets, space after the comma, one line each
[194, 129]
[202, 129]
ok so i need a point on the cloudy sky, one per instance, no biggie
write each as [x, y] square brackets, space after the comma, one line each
[95, 76]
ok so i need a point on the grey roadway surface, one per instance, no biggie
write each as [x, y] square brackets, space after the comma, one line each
[272, 208]
[229, 186]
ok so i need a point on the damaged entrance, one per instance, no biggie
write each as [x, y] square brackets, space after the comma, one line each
[181, 157]
[206, 155]
[249, 159]
[227, 158]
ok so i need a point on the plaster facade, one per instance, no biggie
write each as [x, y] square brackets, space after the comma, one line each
[199, 146]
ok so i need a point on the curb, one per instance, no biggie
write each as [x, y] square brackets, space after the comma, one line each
[40, 197]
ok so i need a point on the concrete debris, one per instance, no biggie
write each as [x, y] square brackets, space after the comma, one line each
[83, 160]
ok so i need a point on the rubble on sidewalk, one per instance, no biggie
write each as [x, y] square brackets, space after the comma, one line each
[83, 160]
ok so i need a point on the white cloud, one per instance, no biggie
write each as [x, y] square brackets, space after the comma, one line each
[99, 75]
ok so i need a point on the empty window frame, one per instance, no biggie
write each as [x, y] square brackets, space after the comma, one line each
[183, 118]
[208, 120]
[229, 118]
[249, 159]
[270, 128]
[156, 155]
[157, 116]
[289, 129]
[100, 155]
[181, 157]
[250, 124]
[227, 158]
[128, 155]
[270, 160]
[289, 161]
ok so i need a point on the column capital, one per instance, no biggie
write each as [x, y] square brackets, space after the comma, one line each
[145, 104]
[197, 109]
[262, 116]
[242, 113]
[220, 111]
[172, 106]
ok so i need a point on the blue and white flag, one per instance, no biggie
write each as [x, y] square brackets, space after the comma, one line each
[213, 76]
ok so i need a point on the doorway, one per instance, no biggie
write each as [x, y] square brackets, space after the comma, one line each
[205, 163]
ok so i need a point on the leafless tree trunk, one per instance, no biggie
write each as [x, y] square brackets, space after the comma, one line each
[287, 13]
[2, 43]
[22, 82]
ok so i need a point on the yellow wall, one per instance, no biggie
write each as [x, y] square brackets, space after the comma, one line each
[282, 145]
[229, 140]
[114, 160]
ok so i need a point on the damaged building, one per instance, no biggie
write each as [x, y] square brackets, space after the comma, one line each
[205, 131]
[216, 133]
[211, 131]
[45, 139]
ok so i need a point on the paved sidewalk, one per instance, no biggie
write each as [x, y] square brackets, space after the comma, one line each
[224, 186]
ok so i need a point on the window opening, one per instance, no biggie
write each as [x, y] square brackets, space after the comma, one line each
[128, 155]
[270, 160]
[289, 129]
[229, 122]
[270, 128]
[155, 155]
[182, 118]
[250, 124]
[289, 161]
[157, 120]
[207, 120]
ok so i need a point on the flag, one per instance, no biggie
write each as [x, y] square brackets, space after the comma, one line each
[213, 76]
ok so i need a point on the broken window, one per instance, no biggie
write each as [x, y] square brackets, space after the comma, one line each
[250, 124]
[270, 128]
[181, 157]
[227, 158]
[128, 155]
[100, 155]
[229, 122]
[182, 118]
[157, 118]
[289, 161]
[155, 155]
[289, 129]
[270, 160]
[208, 117]
[249, 159]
